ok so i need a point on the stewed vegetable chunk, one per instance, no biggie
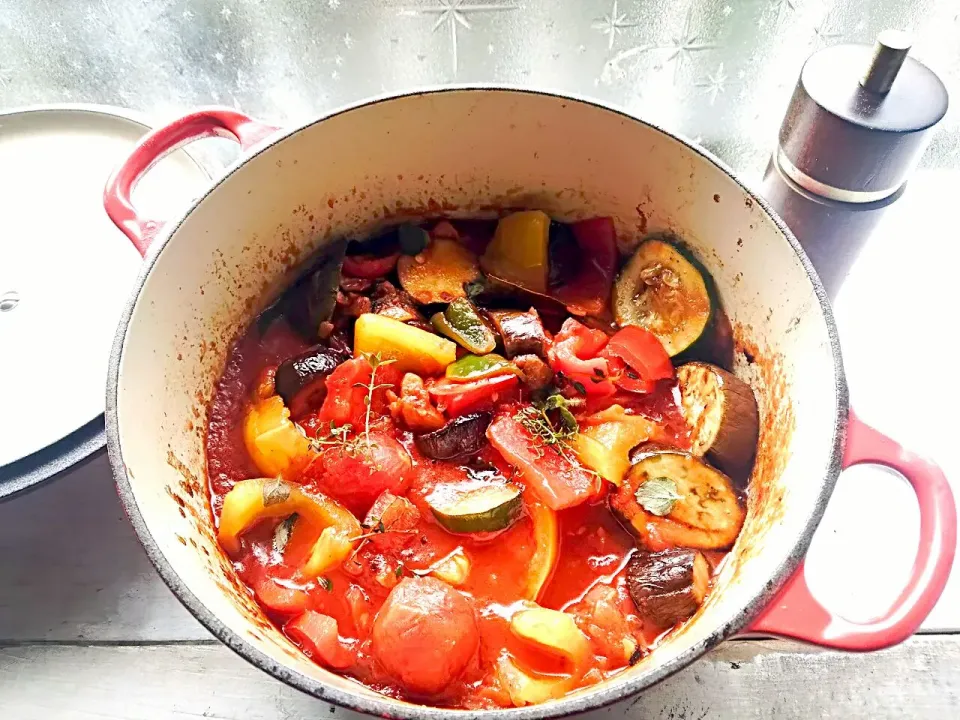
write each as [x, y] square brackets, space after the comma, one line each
[668, 586]
[425, 634]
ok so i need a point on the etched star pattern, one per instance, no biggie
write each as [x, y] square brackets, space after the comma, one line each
[333, 4]
[715, 83]
[825, 32]
[454, 14]
[348, 41]
[684, 46]
[226, 12]
[612, 24]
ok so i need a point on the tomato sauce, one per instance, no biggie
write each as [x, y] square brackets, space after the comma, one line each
[572, 560]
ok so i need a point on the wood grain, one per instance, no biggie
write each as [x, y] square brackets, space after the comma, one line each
[742, 679]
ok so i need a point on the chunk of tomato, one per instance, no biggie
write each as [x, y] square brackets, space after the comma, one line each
[558, 480]
[347, 390]
[425, 634]
[318, 636]
[576, 353]
[356, 474]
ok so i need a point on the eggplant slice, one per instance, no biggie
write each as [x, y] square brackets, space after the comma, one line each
[668, 586]
[463, 435]
[522, 332]
[302, 380]
[669, 497]
[721, 411]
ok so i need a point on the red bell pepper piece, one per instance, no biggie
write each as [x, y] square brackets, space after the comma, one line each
[369, 266]
[460, 398]
[559, 481]
[589, 291]
[637, 359]
[576, 353]
[318, 636]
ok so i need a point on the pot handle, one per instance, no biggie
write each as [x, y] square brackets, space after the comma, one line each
[795, 613]
[206, 122]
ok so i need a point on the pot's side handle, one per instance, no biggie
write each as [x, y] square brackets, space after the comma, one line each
[206, 122]
[795, 613]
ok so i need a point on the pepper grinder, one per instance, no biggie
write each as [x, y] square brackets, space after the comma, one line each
[855, 129]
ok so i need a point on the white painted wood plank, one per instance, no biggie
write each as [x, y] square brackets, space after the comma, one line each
[71, 568]
[742, 680]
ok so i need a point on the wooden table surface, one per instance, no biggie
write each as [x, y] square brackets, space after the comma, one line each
[88, 630]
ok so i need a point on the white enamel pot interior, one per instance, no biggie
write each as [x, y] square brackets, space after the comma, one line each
[464, 152]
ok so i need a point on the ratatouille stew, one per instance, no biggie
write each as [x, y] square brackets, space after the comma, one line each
[483, 464]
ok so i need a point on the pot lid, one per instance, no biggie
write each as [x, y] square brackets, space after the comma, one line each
[65, 274]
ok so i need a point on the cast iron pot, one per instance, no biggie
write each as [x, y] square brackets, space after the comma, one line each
[468, 152]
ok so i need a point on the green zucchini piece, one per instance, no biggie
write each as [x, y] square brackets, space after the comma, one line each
[662, 289]
[462, 323]
[473, 508]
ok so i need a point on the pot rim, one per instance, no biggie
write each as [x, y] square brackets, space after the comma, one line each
[388, 707]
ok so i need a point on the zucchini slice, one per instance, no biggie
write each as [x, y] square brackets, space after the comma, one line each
[669, 498]
[668, 586]
[660, 289]
[471, 507]
[721, 411]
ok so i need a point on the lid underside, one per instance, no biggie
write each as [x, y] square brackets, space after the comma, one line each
[65, 269]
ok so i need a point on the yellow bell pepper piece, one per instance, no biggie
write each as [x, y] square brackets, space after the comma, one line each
[250, 501]
[605, 446]
[518, 252]
[553, 632]
[413, 350]
[546, 540]
[454, 569]
[273, 442]
[525, 689]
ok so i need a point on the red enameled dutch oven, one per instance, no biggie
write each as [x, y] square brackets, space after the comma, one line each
[455, 151]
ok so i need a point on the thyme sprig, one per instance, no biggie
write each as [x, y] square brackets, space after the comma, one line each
[547, 433]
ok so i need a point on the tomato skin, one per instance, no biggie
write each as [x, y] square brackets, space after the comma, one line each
[369, 266]
[356, 475]
[576, 353]
[317, 635]
[558, 482]
[425, 634]
[347, 389]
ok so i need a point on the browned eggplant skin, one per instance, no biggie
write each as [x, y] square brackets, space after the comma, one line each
[668, 586]
[522, 332]
[733, 444]
[393, 302]
[301, 380]
[463, 435]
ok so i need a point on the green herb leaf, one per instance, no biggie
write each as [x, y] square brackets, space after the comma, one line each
[281, 536]
[658, 495]
[579, 387]
[399, 571]
[326, 583]
[275, 492]
[380, 527]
